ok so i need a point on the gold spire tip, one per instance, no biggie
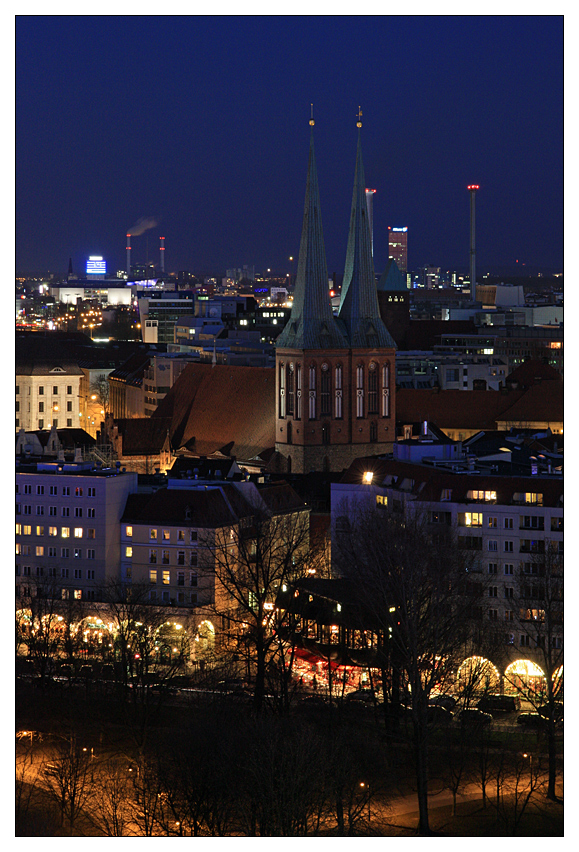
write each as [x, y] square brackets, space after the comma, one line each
[312, 122]
[359, 122]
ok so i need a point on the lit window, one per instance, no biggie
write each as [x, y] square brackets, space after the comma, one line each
[153, 534]
[78, 532]
[77, 594]
[152, 576]
[65, 532]
[128, 552]
[473, 519]
[165, 578]
[129, 532]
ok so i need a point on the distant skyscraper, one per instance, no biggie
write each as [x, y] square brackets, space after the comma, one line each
[398, 247]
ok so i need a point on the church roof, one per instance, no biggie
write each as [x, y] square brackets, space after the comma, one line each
[221, 407]
[312, 324]
[392, 278]
[359, 310]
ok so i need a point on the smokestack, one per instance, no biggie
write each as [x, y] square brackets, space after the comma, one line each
[472, 189]
[128, 255]
[370, 193]
[162, 250]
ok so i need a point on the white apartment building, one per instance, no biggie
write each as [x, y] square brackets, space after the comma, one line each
[505, 522]
[47, 394]
[67, 528]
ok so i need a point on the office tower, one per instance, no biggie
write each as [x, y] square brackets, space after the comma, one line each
[398, 247]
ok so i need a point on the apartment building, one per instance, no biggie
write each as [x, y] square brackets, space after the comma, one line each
[67, 527]
[509, 524]
[47, 394]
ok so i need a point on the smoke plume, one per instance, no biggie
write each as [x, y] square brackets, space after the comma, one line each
[142, 225]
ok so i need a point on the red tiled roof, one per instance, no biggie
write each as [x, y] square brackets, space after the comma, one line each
[143, 436]
[207, 508]
[541, 402]
[217, 405]
[454, 409]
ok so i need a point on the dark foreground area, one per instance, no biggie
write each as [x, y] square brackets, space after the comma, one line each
[200, 763]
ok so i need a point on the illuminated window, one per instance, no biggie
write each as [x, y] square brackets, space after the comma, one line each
[129, 532]
[77, 594]
[78, 532]
[152, 576]
[482, 496]
[65, 532]
[26, 530]
[166, 578]
[153, 534]
[39, 530]
[166, 535]
[128, 552]
[52, 531]
[473, 519]
[39, 550]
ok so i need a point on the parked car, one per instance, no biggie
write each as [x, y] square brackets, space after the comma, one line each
[474, 717]
[499, 703]
[364, 696]
[437, 715]
[531, 720]
[544, 710]
[446, 701]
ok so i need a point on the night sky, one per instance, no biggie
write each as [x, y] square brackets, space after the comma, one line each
[202, 123]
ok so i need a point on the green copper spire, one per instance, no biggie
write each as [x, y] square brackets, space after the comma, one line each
[359, 309]
[312, 324]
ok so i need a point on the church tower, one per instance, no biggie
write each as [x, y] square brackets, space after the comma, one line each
[335, 376]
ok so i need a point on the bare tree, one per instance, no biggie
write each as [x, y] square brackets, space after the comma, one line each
[111, 803]
[253, 560]
[540, 626]
[421, 589]
[71, 778]
[146, 661]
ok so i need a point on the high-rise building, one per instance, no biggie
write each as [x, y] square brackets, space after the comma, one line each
[335, 377]
[398, 247]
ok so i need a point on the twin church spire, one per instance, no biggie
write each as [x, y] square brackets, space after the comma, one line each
[312, 324]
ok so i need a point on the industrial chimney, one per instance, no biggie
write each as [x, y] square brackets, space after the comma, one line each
[128, 255]
[472, 189]
[162, 251]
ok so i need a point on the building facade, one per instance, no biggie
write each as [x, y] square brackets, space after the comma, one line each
[398, 247]
[67, 528]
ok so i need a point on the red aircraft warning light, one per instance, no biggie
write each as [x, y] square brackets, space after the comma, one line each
[473, 186]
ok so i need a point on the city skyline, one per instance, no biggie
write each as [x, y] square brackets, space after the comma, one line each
[212, 143]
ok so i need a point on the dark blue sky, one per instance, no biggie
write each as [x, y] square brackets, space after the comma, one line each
[202, 122]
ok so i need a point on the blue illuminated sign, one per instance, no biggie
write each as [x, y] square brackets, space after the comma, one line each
[95, 265]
